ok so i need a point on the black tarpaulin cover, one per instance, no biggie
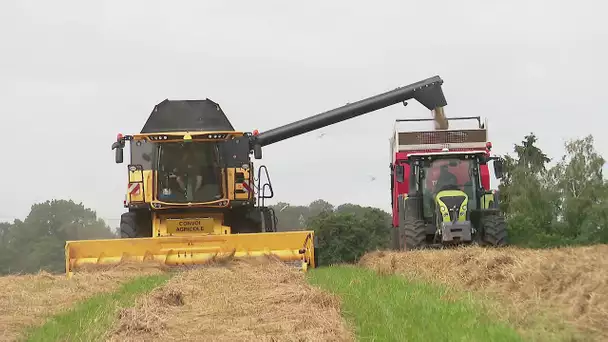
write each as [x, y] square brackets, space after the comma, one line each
[187, 115]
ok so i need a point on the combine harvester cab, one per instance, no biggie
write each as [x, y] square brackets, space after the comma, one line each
[441, 187]
[192, 194]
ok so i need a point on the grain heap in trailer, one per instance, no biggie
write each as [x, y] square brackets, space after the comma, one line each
[192, 193]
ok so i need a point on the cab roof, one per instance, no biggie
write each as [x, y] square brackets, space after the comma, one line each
[187, 116]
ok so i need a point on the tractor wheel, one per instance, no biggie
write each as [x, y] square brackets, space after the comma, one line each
[414, 234]
[395, 244]
[135, 225]
[494, 231]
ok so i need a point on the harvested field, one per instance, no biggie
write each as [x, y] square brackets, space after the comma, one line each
[567, 284]
[239, 301]
[27, 300]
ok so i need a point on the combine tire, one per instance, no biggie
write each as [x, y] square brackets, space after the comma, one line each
[494, 231]
[414, 234]
[135, 225]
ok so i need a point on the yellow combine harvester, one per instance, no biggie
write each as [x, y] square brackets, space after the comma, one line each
[192, 195]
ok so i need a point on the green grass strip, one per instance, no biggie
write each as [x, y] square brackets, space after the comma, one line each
[90, 320]
[392, 308]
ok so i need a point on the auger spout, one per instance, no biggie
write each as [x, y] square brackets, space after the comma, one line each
[428, 92]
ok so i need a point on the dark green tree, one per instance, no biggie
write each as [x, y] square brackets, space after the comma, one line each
[290, 217]
[562, 205]
[583, 194]
[350, 231]
[294, 217]
[527, 199]
[5, 250]
[527, 167]
[319, 206]
[38, 242]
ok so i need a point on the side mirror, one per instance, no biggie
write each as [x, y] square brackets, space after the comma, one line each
[257, 151]
[146, 157]
[119, 155]
[498, 168]
[400, 173]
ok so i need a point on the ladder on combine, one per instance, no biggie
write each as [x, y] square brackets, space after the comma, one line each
[270, 224]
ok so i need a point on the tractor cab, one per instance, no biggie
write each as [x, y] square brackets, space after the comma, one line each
[449, 185]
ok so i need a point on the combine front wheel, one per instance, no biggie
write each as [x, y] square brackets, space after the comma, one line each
[135, 225]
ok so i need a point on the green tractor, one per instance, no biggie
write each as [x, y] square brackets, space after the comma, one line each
[442, 198]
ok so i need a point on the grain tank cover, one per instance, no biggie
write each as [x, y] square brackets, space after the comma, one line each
[187, 115]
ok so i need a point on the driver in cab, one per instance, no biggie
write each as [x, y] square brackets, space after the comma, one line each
[189, 165]
[445, 178]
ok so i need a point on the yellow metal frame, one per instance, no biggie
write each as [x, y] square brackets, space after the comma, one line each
[192, 250]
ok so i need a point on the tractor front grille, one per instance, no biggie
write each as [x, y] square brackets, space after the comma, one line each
[453, 204]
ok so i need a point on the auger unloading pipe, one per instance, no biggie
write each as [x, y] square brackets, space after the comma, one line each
[428, 92]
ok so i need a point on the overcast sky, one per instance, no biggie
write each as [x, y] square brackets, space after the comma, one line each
[75, 73]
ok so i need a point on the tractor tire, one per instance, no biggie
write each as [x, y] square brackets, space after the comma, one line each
[395, 244]
[135, 225]
[494, 231]
[414, 234]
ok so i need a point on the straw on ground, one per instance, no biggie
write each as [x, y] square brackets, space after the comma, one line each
[544, 292]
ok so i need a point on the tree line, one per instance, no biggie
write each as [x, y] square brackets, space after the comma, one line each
[559, 205]
[37, 242]
[545, 206]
